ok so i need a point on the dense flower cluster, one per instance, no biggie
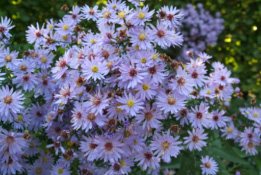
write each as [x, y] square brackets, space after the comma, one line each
[199, 29]
[104, 102]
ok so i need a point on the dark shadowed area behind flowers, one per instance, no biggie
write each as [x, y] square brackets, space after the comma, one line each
[238, 46]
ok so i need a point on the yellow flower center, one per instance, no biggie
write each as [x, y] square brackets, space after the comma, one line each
[117, 108]
[143, 60]
[50, 27]
[208, 92]
[44, 159]
[122, 163]
[229, 130]
[19, 118]
[165, 145]
[107, 15]
[122, 15]
[38, 170]
[93, 41]
[65, 27]
[141, 15]
[43, 59]
[255, 115]
[8, 58]
[142, 37]
[65, 37]
[154, 57]
[135, 142]
[130, 103]
[145, 87]
[114, 7]
[95, 69]
[60, 171]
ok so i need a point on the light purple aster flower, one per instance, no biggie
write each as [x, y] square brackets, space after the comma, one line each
[109, 149]
[209, 166]
[217, 120]
[10, 102]
[195, 140]
[5, 26]
[147, 159]
[90, 12]
[131, 75]
[172, 102]
[200, 116]
[95, 69]
[182, 83]
[166, 146]
[150, 117]
[141, 37]
[11, 142]
[141, 16]
[131, 104]
[162, 35]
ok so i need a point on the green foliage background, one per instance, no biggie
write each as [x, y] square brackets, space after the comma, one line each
[239, 47]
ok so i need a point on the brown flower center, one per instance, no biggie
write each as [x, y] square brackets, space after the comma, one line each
[108, 146]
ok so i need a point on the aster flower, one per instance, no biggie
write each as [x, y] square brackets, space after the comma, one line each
[146, 90]
[121, 167]
[35, 34]
[170, 16]
[147, 160]
[249, 147]
[209, 165]
[157, 73]
[141, 37]
[78, 116]
[166, 146]
[218, 120]
[11, 141]
[65, 26]
[183, 116]
[10, 167]
[91, 120]
[75, 14]
[66, 93]
[5, 26]
[109, 149]
[96, 103]
[195, 140]
[95, 69]
[121, 15]
[229, 131]
[150, 117]
[131, 104]
[90, 13]
[9, 59]
[88, 147]
[182, 83]
[141, 16]
[61, 66]
[170, 102]
[26, 81]
[162, 36]
[204, 57]
[60, 169]
[131, 75]
[254, 114]
[249, 136]
[200, 116]
[10, 102]
[38, 168]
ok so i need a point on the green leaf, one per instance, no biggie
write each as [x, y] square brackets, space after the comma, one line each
[230, 155]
